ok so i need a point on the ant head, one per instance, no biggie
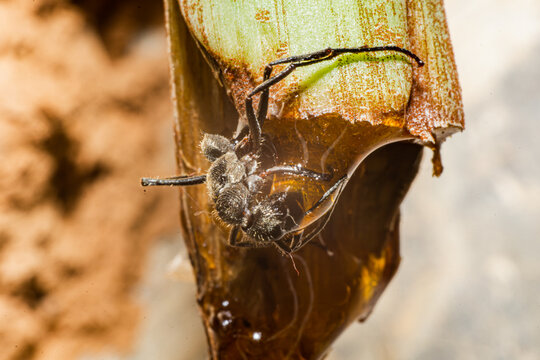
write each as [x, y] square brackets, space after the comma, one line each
[275, 217]
[214, 146]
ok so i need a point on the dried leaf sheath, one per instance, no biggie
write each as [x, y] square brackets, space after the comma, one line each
[253, 303]
[436, 108]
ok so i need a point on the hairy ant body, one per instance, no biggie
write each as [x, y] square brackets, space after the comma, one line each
[239, 186]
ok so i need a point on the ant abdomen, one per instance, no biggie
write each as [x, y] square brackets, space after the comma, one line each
[231, 204]
[227, 169]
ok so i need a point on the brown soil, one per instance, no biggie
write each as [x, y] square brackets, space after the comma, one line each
[84, 113]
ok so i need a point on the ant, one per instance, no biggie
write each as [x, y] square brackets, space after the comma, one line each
[239, 184]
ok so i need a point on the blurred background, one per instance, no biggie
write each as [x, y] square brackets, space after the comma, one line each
[86, 254]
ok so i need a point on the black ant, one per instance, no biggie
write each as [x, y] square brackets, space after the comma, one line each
[238, 183]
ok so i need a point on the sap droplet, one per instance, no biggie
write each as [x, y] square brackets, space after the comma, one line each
[257, 335]
[225, 318]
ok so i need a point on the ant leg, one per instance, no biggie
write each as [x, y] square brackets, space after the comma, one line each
[255, 132]
[304, 238]
[301, 239]
[255, 121]
[296, 241]
[329, 53]
[283, 247]
[291, 244]
[233, 239]
[181, 180]
[320, 226]
[241, 134]
[233, 235]
[327, 194]
[297, 170]
[318, 56]
[263, 106]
